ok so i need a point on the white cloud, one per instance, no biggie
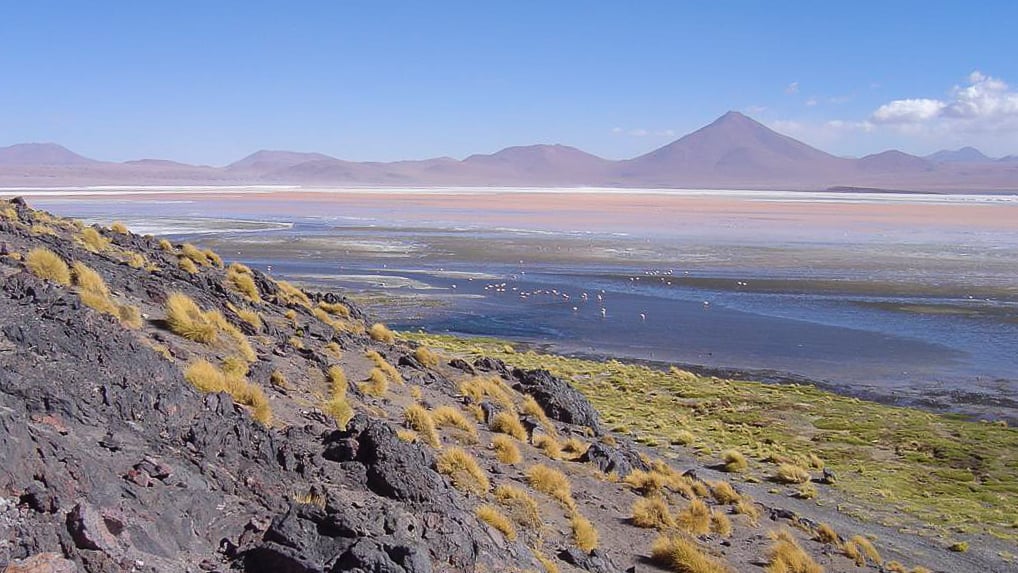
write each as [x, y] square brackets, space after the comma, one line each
[792, 88]
[985, 104]
[908, 111]
[811, 102]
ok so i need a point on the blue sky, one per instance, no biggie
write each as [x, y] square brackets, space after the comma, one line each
[209, 82]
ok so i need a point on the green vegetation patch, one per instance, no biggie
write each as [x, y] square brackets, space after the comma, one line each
[946, 472]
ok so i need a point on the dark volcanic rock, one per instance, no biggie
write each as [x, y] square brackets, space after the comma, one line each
[560, 401]
[620, 460]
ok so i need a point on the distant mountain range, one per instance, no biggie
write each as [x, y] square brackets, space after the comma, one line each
[734, 151]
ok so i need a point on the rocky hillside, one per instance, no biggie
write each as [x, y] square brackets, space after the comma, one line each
[163, 411]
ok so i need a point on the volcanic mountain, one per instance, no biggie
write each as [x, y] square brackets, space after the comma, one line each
[734, 151]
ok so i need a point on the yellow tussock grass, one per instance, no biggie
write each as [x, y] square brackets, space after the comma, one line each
[213, 258]
[734, 461]
[381, 333]
[336, 308]
[93, 240]
[420, 420]
[530, 407]
[334, 349]
[165, 245]
[449, 417]
[339, 409]
[575, 446]
[382, 364]
[825, 534]
[476, 411]
[426, 356]
[495, 518]
[683, 555]
[506, 450]
[519, 505]
[584, 533]
[549, 565]
[723, 492]
[242, 282]
[290, 294]
[551, 482]
[683, 438]
[408, 436]
[508, 423]
[48, 265]
[337, 380]
[416, 393]
[478, 388]
[720, 524]
[206, 377]
[195, 254]
[745, 506]
[867, 549]
[463, 469]
[118, 227]
[652, 513]
[249, 316]
[548, 445]
[786, 556]
[377, 383]
[789, 473]
[278, 379]
[187, 265]
[694, 518]
[186, 319]
[129, 315]
[644, 482]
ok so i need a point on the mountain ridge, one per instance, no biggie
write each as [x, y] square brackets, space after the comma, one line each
[733, 151]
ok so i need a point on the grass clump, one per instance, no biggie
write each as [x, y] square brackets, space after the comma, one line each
[867, 548]
[194, 254]
[548, 445]
[734, 461]
[959, 547]
[165, 245]
[694, 518]
[720, 524]
[242, 282]
[187, 265]
[206, 377]
[786, 556]
[278, 379]
[120, 228]
[551, 482]
[478, 388]
[336, 308]
[723, 492]
[421, 421]
[495, 518]
[520, 505]
[48, 265]
[506, 450]
[93, 240]
[584, 533]
[746, 506]
[186, 319]
[213, 257]
[683, 555]
[449, 417]
[425, 356]
[791, 473]
[464, 471]
[377, 383]
[94, 293]
[530, 407]
[382, 364]
[334, 349]
[290, 294]
[508, 423]
[646, 483]
[337, 380]
[381, 333]
[575, 446]
[652, 513]
[826, 534]
[683, 438]
[339, 409]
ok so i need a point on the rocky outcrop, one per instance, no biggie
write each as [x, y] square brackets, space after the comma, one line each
[560, 401]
